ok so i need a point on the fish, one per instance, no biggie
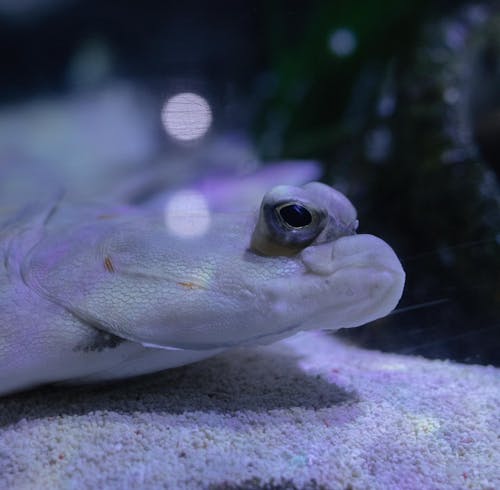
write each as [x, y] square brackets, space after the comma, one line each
[99, 291]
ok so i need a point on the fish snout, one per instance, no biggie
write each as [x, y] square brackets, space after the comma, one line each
[364, 277]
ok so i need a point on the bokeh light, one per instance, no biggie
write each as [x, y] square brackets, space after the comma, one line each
[187, 214]
[186, 116]
[378, 144]
[343, 42]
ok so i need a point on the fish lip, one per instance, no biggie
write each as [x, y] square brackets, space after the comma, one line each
[373, 262]
[372, 250]
[355, 250]
[373, 253]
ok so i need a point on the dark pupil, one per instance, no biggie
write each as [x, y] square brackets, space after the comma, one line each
[295, 215]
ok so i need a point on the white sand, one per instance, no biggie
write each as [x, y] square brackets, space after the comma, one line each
[306, 413]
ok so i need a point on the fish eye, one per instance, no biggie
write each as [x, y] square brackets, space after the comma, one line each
[286, 224]
[294, 215]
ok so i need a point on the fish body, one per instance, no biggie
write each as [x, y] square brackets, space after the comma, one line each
[98, 292]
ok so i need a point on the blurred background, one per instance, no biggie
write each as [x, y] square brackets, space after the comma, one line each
[398, 100]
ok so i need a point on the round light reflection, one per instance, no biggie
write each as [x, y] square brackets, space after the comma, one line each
[187, 214]
[186, 116]
[343, 42]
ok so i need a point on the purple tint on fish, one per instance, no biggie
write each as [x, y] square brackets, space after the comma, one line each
[239, 192]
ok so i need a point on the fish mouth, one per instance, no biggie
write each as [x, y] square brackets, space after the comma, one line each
[371, 252]
[364, 277]
[380, 272]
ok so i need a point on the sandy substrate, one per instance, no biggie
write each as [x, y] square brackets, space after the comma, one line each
[307, 413]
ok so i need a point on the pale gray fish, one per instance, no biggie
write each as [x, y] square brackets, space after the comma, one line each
[92, 292]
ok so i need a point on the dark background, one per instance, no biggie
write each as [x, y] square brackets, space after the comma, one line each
[407, 124]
